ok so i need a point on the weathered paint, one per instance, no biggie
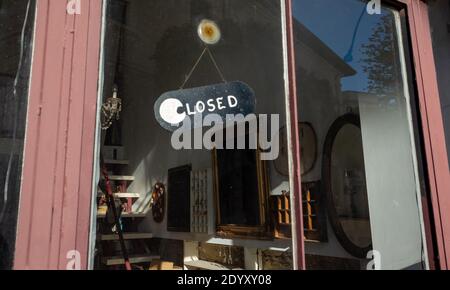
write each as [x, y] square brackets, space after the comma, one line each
[57, 175]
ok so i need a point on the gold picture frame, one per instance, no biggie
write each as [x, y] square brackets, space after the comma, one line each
[263, 231]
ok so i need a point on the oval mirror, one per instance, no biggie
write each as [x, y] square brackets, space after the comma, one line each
[345, 185]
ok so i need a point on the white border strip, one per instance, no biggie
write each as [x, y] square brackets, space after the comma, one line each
[411, 131]
[97, 139]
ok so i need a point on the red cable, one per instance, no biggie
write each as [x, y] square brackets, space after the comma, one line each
[113, 208]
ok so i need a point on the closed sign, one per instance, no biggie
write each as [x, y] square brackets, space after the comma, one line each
[173, 107]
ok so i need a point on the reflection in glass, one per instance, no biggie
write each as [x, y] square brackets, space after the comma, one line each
[348, 188]
[353, 63]
[158, 46]
[16, 31]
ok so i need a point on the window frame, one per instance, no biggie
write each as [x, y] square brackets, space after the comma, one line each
[55, 212]
[55, 202]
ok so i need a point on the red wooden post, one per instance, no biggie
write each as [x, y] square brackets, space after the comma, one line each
[432, 125]
[298, 236]
[55, 201]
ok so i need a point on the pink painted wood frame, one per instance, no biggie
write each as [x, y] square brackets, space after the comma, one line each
[432, 125]
[54, 215]
[299, 240]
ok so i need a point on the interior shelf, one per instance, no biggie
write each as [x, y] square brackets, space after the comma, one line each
[134, 259]
[127, 215]
[127, 236]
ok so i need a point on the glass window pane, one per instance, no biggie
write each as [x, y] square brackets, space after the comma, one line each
[169, 58]
[354, 90]
[16, 31]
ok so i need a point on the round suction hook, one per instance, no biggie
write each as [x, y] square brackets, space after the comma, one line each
[209, 32]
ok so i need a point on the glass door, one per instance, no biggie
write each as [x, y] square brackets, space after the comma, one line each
[194, 136]
[356, 106]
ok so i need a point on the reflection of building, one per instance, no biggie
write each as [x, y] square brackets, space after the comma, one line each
[321, 102]
[319, 75]
[380, 135]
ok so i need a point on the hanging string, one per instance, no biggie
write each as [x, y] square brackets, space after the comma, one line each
[215, 64]
[188, 76]
[193, 68]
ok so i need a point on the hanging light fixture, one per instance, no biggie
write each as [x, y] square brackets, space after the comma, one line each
[111, 110]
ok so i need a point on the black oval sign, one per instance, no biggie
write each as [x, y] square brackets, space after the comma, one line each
[173, 107]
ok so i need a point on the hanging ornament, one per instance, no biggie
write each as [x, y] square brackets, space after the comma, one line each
[157, 202]
[111, 110]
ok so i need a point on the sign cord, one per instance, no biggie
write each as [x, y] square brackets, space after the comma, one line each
[215, 64]
[206, 49]
[193, 68]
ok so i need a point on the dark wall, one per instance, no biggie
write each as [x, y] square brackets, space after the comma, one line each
[14, 78]
[440, 28]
